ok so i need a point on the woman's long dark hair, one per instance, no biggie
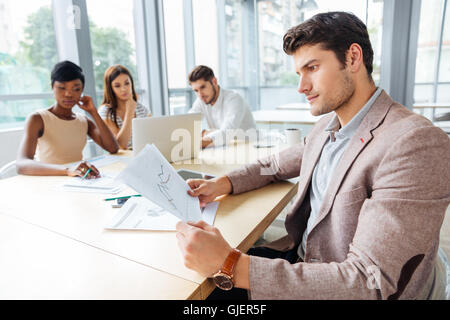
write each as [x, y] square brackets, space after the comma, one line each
[109, 98]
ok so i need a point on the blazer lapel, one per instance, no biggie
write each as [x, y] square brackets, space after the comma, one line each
[311, 155]
[361, 138]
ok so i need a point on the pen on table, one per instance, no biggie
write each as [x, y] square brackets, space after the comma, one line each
[85, 175]
[124, 197]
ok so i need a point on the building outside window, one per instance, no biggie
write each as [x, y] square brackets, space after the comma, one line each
[111, 28]
[278, 80]
[223, 35]
[432, 78]
[234, 41]
[203, 21]
[27, 56]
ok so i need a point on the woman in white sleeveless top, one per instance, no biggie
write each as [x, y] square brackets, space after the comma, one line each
[120, 106]
[57, 136]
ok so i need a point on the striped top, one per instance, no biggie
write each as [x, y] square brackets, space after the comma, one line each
[141, 112]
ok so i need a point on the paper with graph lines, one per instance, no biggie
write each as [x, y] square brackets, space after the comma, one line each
[151, 175]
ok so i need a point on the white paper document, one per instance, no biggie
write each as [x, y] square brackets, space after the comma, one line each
[151, 175]
[106, 184]
[142, 214]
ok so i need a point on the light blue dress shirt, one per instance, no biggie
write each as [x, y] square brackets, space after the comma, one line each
[331, 154]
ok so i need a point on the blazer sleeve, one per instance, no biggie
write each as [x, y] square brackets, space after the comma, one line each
[281, 166]
[398, 228]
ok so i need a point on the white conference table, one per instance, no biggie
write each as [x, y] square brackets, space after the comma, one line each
[36, 263]
[431, 106]
[285, 116]
[75, 221]
[294, 106]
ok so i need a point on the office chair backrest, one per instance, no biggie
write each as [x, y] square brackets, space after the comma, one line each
[8, 170]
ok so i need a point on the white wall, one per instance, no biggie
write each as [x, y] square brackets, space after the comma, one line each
[9, 144]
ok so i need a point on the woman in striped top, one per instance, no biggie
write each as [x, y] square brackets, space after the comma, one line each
[120, 104]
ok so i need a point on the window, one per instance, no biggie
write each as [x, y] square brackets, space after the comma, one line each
[204, 47]
[443, 89]
[375, 27]
[205, 34]
[277, 76]
[225, 39]
[111, 27]
[370, 12]
[27, 56]
[274, 19]
[428, 51]
[432, 79]
[278, 79]
[234, 43]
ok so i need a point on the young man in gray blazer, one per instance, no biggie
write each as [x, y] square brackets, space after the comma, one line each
[373, 190]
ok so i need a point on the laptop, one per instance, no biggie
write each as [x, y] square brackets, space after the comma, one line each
[177, 137]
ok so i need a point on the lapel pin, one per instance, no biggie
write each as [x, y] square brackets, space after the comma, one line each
[362, 140]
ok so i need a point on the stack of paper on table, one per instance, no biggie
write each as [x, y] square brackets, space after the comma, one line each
[106, 184]
[142, 214]
[165, 191]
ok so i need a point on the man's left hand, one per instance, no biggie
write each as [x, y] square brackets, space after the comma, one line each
[203, 247]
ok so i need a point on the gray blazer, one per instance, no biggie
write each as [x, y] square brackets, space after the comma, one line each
[377, 232]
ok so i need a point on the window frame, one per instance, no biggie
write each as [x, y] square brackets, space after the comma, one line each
[151, 56]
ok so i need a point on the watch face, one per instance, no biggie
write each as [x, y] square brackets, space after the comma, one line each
[223, 281]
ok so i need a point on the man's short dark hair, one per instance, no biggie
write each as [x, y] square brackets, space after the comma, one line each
[334, 31]
[201, 72]
[66, 71]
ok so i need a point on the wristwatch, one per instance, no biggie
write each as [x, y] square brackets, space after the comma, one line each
[224, 277]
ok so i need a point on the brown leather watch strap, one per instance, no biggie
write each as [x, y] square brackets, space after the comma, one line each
[230, 262]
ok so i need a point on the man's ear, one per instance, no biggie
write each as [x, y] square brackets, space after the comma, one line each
[355, 57]
[214, 81]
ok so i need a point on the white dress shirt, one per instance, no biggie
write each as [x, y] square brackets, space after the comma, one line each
[229, 112]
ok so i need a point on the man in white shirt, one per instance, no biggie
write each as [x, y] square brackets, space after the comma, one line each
[224, 109]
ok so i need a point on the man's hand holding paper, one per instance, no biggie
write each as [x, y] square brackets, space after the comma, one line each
[151, 175]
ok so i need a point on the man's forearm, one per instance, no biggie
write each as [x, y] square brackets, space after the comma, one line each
[124, 134]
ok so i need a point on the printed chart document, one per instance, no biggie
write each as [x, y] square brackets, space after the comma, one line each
[142, 214]
[151, 175]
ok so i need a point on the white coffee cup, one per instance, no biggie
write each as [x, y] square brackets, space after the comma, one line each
[293, 136]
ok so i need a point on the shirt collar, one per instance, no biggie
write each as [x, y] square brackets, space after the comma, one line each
[350, 128]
